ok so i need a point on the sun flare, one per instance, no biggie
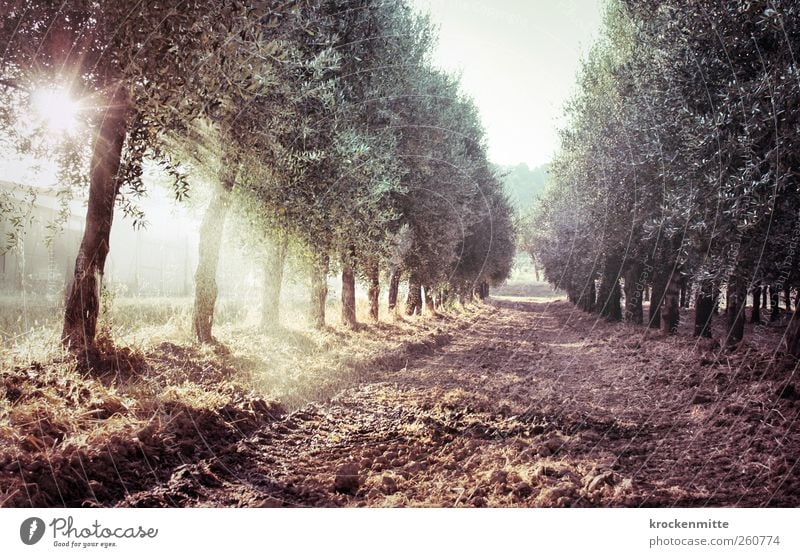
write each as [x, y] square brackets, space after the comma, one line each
[56, 110]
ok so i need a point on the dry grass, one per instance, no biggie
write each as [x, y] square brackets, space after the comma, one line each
[158, 400]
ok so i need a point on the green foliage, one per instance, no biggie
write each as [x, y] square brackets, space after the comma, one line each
[524, 185]
[325, 117]
[680, 145]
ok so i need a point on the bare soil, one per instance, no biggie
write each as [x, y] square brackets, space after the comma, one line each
[530, 404]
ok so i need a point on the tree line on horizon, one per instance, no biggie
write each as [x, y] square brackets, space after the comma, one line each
[677, 176]
[323, 122]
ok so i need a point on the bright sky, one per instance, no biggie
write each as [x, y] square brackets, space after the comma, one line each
[518, 60]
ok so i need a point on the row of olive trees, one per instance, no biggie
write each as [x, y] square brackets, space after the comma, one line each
[678, 169]
[323, 120]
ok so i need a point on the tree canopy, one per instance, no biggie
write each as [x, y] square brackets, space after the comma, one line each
[676, 166]
[324, 118]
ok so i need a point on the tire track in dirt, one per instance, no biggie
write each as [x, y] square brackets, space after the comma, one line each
[529, 405]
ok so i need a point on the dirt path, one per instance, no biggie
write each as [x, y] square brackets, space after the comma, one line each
[535, 404]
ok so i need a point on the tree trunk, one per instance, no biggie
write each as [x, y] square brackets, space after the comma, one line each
[82, 306]
[443, 296]
[414, 299]
[205, 290]
[609, 293]
[737, 296]
[374, 292]
[727, 299]
[590, 298]
[646, 292]
[793, 334]
[687, 291]
[348, 294]
[787, 297]
[273, 279]
[585, 300]
[704, 310]
[774, 304]
[755, 316]
[319, 291]
[684, 297]
[429, 305]
[764, 297]
[656, 299]
[633, 295]
[394, 286]
[463, 295]
[670, 310]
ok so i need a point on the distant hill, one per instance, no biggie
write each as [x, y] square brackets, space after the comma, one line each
[523, 185]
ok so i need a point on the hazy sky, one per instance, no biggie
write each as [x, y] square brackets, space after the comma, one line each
[518, 60]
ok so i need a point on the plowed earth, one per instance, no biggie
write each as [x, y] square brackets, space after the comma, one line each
[530, 404]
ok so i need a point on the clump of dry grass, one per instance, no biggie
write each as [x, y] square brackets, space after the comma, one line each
[70, 438]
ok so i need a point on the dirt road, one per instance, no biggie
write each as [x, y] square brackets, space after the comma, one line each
[533, 404]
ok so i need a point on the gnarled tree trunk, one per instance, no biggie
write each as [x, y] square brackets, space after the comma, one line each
[481, 290]
[588, 299]
[609, 294]
[737, 296]
[273, 280]
[774, 303]
[82, 306]
[670, 310]
[464, 294]
[656, 299]
[414, 299]
[430, 308]
[348, 294]
[633, 295]
[755, 316]
[793, 334]
[205, 292]
[704, 310]
[686, 288]
[374, 292]
[442, 299]
[319, 291]
[571, 296]
[394, 286]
